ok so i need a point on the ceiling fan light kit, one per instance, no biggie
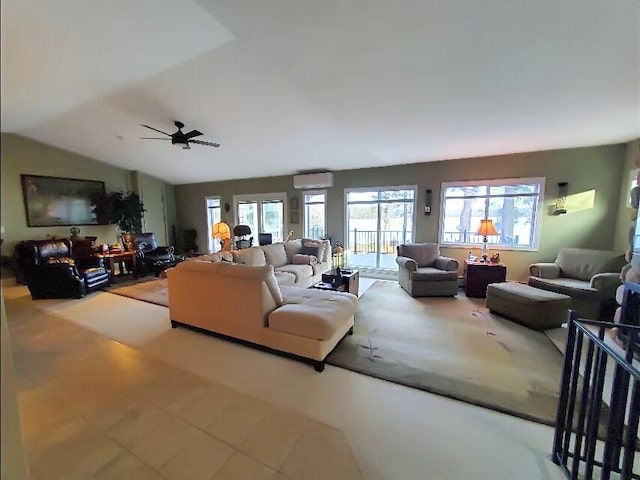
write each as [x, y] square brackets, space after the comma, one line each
[180, 138]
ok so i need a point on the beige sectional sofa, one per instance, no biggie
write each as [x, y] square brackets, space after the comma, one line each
[245, 302]
[291, 260]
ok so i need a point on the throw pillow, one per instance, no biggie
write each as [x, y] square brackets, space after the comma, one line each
[308, 250]
[320, 245]
[300, 259]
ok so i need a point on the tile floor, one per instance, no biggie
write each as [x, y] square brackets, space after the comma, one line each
[162, 403]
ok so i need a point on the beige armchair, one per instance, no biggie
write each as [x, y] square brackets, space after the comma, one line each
[589, 277]
[423, 272]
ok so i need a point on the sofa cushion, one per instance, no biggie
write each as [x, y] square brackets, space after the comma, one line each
[264, 272]
[310, 250]
[313, 313]
[566, 286]
[321, 245]
[425, 254]
[300, 271]
[583, 263]
[253, 256]
[300, 295]
[275, 254]
[433, 274]
[285, 278]
[292, 247]
[300, 259]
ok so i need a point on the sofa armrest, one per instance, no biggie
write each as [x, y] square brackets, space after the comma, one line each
[544, 270]
[407, 263]
[447, 264]
[606, 283]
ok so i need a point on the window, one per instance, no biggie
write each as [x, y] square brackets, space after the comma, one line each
[213, 217]
[378, 219]
[512, 204]
[263, 214]
[315, 214]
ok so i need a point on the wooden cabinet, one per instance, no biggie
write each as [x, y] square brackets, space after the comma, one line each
[478, 275]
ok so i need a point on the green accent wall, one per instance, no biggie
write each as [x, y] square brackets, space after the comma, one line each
[21, 155]
[600, 173]
[593, 173]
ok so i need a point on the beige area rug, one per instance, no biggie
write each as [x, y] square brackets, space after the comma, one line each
[449, 346]
[453, 347]
[152, 291]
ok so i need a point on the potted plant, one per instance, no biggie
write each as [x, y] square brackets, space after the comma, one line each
[124, 209]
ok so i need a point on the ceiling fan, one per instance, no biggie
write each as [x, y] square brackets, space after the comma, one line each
[180, 138]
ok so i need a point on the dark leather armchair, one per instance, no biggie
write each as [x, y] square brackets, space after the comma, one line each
[52, 270]
[150, 254]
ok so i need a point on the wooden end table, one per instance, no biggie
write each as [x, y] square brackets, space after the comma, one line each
[123, 259]
[479, 274]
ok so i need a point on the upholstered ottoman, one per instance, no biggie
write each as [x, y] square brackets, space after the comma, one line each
[535, 308]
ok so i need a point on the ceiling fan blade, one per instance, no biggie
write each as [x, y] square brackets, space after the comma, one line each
[147, 126]
[201, 142]
[153, 138]
[193, 133]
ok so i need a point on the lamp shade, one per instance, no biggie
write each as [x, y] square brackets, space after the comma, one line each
[222, 231]
[486, 228]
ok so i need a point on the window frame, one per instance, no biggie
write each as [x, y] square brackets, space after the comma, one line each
[305, 230]
[209, 229]
[259, 198]
[414, 217]
[537, 217]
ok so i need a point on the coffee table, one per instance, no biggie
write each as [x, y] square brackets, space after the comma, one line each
[350, 282]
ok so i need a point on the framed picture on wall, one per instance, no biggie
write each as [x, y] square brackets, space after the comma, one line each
[50, 201]
[294, 203]
[294, 217]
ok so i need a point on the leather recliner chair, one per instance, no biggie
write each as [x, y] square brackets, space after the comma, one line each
[53, 271]
[150, 255]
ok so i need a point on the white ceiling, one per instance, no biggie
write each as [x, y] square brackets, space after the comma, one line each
[295, 85]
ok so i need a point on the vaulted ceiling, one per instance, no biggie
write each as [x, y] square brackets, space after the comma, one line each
[296, 85]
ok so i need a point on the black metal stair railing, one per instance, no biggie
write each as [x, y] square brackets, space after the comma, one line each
[596, 433]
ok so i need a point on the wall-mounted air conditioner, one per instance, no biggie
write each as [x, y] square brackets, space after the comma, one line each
[313, 180]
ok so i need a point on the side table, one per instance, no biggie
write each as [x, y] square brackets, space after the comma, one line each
[124, 259]
[479, 274]
[350, 282]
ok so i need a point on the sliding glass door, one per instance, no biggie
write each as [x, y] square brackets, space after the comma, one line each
[378, 219]
[263, 214]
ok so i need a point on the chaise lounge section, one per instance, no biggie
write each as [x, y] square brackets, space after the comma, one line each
[245, 303]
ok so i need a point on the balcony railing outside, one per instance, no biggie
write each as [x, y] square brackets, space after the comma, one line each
[366, 241]
[470, 237]
[590, 441]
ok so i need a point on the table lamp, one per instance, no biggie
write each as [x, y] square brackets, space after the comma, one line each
[486, 228]
[222, 232]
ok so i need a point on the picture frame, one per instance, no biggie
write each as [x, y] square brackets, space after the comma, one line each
[59, 201]
[294, 217]
[294, 203]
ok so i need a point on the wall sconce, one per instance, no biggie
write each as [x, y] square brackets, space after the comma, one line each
[427, 202]
[561, 201]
